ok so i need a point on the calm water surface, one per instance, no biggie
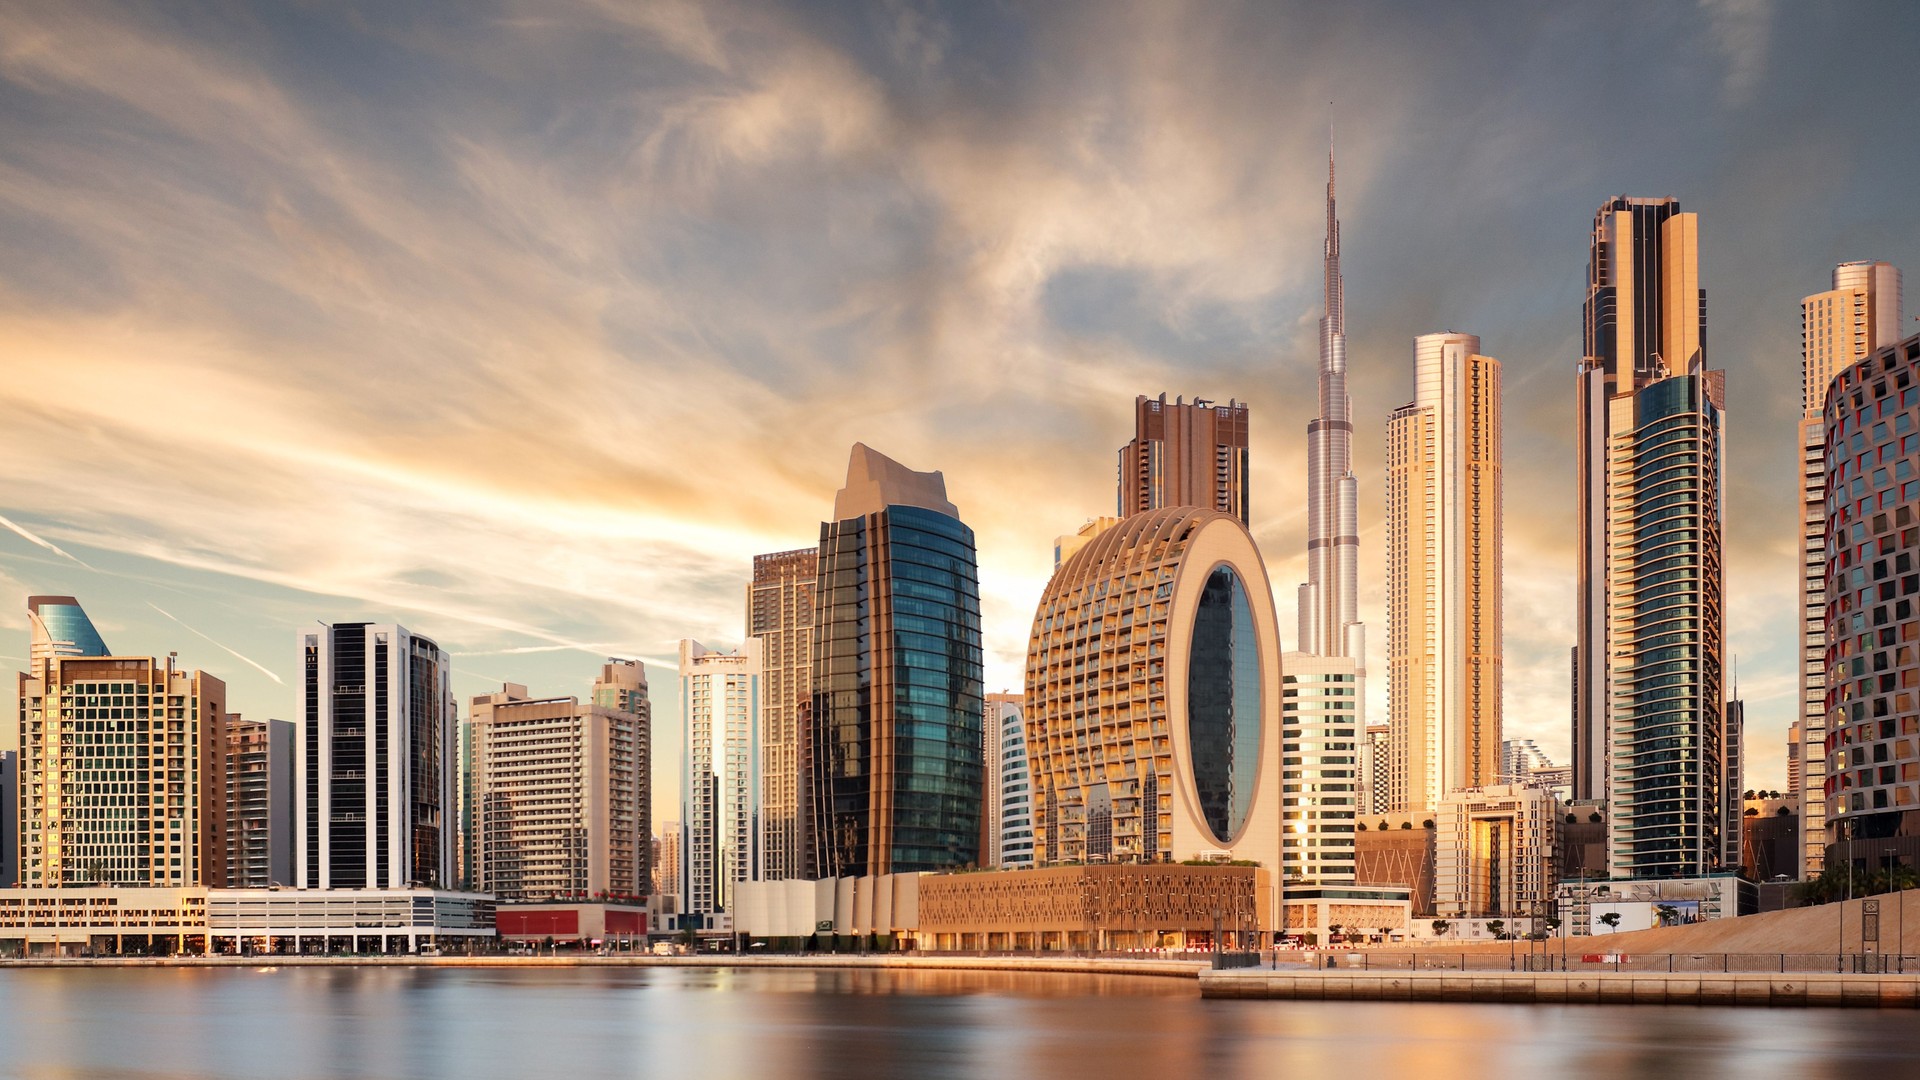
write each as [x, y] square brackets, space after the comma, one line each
[771, 1025]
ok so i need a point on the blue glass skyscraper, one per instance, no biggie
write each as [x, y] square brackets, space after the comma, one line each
[894, 759]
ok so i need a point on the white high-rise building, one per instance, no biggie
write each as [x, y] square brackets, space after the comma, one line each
[374, 768]
[1838, 328]
[1008, 802]
[1320, 772]
[719, 779]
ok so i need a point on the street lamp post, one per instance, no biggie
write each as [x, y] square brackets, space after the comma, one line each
[1900, 917]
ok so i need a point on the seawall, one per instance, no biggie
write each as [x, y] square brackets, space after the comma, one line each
[1562, 988]
[1177, 969]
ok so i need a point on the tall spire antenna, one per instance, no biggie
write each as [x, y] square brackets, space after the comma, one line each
[1329, 610]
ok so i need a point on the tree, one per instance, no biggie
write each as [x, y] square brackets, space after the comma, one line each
[1333, 931]
[1553, 924]
[1611, 920]
[1498, 928]
[1667, 914]
[1440, 927]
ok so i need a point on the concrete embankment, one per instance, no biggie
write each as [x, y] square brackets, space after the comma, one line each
[1177, 969]
[1562, 988]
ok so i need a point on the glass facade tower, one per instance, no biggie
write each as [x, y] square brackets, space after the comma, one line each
[1668, 750]
[895, 754]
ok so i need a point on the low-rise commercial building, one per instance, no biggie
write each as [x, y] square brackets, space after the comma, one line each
[155, 921]
[1098, 907]
[1608, 907]
[1396, 851]
[1314, 914]
[562, 923]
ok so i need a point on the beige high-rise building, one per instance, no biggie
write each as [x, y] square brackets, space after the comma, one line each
[622, 687]
[666, 872]
[1443, 575]
[121, 759]
[559, 792]
[780, 613]
[1838, 328]
[1185, 454]
[1494, 852]
[257, 774]
[1645, 317]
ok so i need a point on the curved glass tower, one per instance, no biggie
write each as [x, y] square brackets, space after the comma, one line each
[61, 628]
[1667, 625]
[895, 747]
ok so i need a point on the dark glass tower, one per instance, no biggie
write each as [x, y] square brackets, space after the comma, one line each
[372, 772]
[894, 763]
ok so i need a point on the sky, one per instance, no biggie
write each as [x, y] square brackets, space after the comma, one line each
[527, 324]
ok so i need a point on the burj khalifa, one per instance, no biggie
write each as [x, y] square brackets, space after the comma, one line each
[1329, 611]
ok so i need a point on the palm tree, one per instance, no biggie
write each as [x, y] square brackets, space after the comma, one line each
[1440, 927]
[1611, 920]
[1497, 927]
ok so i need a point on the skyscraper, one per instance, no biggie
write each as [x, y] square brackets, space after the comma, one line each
[1185, 455]
[622, 687]
[558, 790]
[1443, 575]
[1008, 805]
[1329, 606]
[257, 777]
[1644, 316]
[1668, 749]
[894, 759]
[1838, 328]
[1872, 784]
[780, 605]
[120, 762]
[1376, 763]
[373, 775]
[667, 872]
[1319, 729]
[719, 777]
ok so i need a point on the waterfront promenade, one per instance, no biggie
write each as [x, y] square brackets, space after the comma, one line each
[1796, 989]
[1060, 965]
[1281, 983]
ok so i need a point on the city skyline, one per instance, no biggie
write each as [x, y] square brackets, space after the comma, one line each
[468, 363]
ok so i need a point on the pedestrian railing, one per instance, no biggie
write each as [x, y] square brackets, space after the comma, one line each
[1584, 955]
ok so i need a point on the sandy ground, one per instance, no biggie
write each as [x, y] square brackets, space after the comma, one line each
[1830, 928]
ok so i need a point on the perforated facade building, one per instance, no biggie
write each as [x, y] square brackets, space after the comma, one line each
[1153, 697]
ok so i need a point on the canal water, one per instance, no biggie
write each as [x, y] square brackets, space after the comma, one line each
[673, 1023]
